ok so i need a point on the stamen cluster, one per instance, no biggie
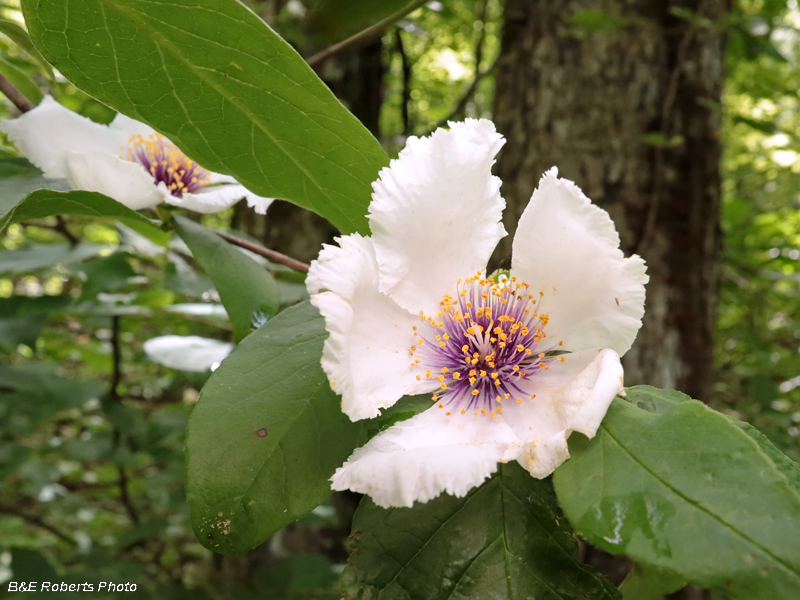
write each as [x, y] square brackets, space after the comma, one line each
[482, 344]
[165, 162]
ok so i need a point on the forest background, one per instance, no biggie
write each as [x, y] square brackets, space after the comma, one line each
[95, 488]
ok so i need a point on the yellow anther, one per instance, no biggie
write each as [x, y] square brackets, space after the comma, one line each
[520, 347]
[541, 354]
[418, 378]
[475, 392]
[463, 412]
[440, 377]
[519, 400]
[561, 358]
[533, 396]
[515, 368]
[465, 348]
[443, 344]
[445, 370]
[499, 409]
[456, 375]
[483, 411]
[427, 374]
[483, 373]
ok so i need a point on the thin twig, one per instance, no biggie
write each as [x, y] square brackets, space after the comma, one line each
[12, 93]
[270, 255]
[37, 521]
[362, 37]
[113, 392]
[125, 497]
[116, 358]
[406, 91]
[462, 104]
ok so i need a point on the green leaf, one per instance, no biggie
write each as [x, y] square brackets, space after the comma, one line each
[648, 583]
[22, 318]
[268, 433]
[265, 436]
[680, 487]
[224, 87]
[28, 260]
[20, 80]
[246, 289]
[46, 203]
[18, 178]
[595, 21]
[30, 565]
[34, 389]
[506, 539]
[19, 36]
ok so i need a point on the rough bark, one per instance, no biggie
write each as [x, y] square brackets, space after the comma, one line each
[631, 114]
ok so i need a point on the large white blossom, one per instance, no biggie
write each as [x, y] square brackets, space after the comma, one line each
[125, 160]
[514, 365]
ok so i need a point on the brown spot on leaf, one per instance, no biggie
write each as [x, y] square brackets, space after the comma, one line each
[259, 433]
[209, 536]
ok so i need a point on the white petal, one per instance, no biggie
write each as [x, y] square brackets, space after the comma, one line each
[435, 213]
[126, 182]
[366, 355]
[431, 453]
[219, 197]
[568, 248]
[130, 127]
[187, 352]
[47, 132]
[570, 396]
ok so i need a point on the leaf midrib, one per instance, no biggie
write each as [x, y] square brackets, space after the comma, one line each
[158, 37]
[698, 506]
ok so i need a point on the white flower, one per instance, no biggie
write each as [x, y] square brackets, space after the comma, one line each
[126, 160]
[514, 366]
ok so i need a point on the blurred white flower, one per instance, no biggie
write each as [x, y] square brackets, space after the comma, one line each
[187, 352]
[515, 364]
[126, 160]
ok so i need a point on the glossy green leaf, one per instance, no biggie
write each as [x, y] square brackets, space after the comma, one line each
[216, 80]
[265, 436]
[678, 486]
[46, 203]
[33, 258]
[506, 540]
[268, 433]
[247, 290]
[649, 583]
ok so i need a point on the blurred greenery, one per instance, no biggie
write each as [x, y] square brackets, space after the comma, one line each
[92, 430]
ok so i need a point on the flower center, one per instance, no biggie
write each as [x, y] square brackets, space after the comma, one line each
[165, 162]
[482, 344]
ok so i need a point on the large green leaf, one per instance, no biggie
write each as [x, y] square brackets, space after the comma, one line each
[18, 178]
[680, 487]
[268, 433]
[46, 203]
[211, 76]
[506, 540]
[247, 290]
[42, 256]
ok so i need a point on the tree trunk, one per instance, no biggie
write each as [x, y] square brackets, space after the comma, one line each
[626, 102]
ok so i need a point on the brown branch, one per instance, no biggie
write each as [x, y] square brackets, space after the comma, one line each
[270, 255]
[37, 521]
[12, 93]
[362, 37]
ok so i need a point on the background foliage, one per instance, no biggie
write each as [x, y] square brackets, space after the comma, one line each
[92, 428]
